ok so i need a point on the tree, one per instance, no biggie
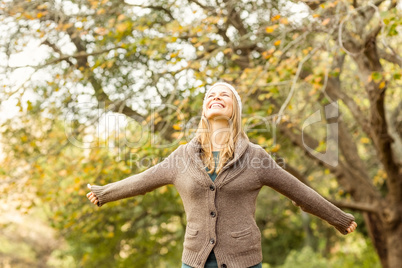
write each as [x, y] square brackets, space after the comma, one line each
[293, 56]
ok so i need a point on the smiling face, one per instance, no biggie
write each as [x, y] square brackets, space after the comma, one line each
[219, 103]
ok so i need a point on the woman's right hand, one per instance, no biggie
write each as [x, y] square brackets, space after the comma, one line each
[91, 196]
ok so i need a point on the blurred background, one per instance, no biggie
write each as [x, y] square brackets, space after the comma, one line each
[95, 91]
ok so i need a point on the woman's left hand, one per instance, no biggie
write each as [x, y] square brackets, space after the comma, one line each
[352, 227]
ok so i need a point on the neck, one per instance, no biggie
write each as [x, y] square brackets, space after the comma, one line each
[219, 134]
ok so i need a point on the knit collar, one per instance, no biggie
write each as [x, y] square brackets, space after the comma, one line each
[193, 149]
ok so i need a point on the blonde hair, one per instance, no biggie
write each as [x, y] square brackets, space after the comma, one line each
[203, 135]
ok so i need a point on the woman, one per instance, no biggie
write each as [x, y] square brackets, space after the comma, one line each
[218, 175]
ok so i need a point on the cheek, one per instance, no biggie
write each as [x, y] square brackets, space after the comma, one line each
[230, 104]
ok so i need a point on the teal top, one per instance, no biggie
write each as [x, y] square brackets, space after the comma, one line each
[211, 261]
[216, 157]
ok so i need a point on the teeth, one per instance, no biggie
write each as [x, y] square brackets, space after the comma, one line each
[217, 105]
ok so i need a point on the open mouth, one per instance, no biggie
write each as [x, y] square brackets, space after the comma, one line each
[216, 106]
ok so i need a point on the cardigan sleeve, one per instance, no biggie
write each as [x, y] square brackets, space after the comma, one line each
[272, 175]
[161, 174]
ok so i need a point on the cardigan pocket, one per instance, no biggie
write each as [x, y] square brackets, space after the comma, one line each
[244, 241]
[191, 231]
[192, 239]
[241, 233]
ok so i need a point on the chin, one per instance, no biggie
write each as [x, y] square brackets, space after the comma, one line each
[217, 114]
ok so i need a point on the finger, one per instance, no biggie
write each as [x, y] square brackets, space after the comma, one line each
[96, 201]
[89, 186]
[93, 198]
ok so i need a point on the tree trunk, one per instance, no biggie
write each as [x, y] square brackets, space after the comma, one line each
[374, 227]
[394, 245]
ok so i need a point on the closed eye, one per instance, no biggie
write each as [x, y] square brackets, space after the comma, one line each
[225, 94]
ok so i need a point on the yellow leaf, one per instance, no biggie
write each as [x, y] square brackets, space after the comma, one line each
[284, 21]
[163, 189]
[176, 127]
[227, 50]
[176, 135]
[42, 6]
[121, 27]
[266, 54]
[67, 26]
[110, 235]
[382, 85]
[275, 148]
[277, 17]
[39, 15]
[277, 43]
[29, 107]
[365, 140]
[326, 21]
[316, 15]
[269, 29]
[333, 4]
[234, 57]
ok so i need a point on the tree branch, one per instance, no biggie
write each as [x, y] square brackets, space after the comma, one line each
[67, 58]
[341, 204]
[334, 91]
[393, 58]
[355, 206]
[161, 8]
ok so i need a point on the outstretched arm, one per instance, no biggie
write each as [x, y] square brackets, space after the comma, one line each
[161, 174]
[351, 227]
[272, 175]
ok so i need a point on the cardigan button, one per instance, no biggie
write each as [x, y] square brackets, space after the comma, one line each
[212, 241]
[224, 266]
[212, 187]
[213, 214]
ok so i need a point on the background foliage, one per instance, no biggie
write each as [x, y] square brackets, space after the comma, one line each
[96, 90]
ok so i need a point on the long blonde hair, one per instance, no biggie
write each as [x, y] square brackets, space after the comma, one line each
[203, 135]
